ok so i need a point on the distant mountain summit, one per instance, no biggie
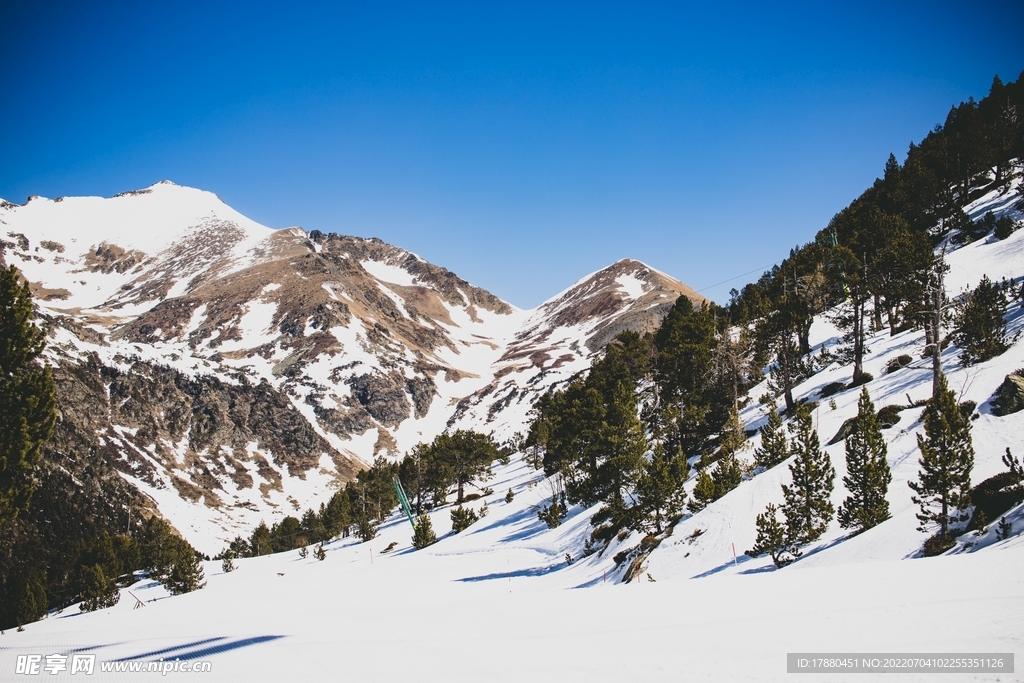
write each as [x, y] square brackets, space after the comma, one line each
[230, 372]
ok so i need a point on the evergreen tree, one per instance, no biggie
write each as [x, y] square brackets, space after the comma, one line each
[659, 491]
[693, 406]
[98, 591]
[366, 528]
[868, 474]
[227, 563]
[727, 475]
[29, 598]
[703, 487]
[186, 572]
[553, 513]
[808, 507]
[943, 488]
[509, 497]
[320, 553]
[27, 408]
[981, 323]
[774, 448]
[260, 542]
[423, 532]
[773, 539]
[462, 518]
[336, 515]
[468, 455]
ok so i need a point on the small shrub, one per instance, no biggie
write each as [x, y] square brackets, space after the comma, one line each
[995, 496]
[889, 415]
[900, 361]
[303, 552]
[509, 496]
[553, 514]
[937, 544]
[1004, 227]
[832, 388]
[1003, 529]
[320, 553]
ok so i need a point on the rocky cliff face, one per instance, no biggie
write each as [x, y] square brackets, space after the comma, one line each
[228, 372]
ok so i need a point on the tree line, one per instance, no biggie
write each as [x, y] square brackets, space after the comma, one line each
[430, 472]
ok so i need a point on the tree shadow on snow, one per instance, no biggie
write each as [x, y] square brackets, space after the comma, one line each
[519, 573]
[188, 651]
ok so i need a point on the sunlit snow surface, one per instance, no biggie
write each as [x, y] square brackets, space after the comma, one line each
[500, 601]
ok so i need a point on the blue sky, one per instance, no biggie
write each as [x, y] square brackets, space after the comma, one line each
[519, 145]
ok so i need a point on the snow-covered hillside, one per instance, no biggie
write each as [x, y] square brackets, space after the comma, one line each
[496, 601]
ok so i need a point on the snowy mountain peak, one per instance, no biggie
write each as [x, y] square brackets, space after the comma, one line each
[244, 371]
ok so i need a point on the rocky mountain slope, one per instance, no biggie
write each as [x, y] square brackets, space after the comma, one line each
[228, 372]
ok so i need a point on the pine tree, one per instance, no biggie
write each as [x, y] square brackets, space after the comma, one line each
[260, 540]
[27, 408]
[808, 507]
[774, 447]
[981, 323]
[98, 592]
[462, 518]
[29, 598]
[186, 573]
[868, 476]
[727, 475]
[227, 563]
[943, 488]
[320, 553]
[703, 487]
[509, 497]
[773, 539]
[659, 492]
[423, 532]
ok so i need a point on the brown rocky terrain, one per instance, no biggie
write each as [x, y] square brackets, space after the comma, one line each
[227, 372]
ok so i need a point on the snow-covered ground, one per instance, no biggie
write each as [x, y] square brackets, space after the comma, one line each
[500, 601]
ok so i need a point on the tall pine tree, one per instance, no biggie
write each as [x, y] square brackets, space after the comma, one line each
[868, 474]
[808, 507]
[943, 488]
[27, 408]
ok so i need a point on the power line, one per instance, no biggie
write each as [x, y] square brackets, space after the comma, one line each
[735, 277]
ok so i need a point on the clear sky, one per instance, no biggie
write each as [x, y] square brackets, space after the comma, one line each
[521, 145]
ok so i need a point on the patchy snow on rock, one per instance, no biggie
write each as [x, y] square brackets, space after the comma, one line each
[631, 285]
[388, 273]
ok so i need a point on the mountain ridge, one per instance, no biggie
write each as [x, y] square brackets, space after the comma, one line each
[201, 324]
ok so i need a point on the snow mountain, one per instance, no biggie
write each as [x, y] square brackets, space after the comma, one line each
[226, 372]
